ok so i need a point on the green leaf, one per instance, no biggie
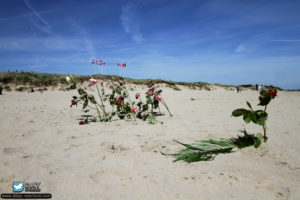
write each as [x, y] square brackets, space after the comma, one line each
[73, 86]
[253, 117]
[264, 98]
[261, 117]
[84, 105]
[152, 119]
[81, 91]
[92, 99]
[74, 97]
[145, 107]
[258, 140]
[239, 112]
[87, 110]
[249, 105]
[247, 117]
[259, 136]
[261, 121]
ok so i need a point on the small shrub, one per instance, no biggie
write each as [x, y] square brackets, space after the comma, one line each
[21, 89]
[207, 88]
[7, 88]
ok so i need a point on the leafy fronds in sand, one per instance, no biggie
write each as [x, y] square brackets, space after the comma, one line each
[206, 150]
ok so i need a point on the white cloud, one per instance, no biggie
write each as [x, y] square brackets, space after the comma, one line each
[89, 46]
[130, 21]
[240, 49]
[41, 24]
[40, 44]
[254, 42]
[30, 7]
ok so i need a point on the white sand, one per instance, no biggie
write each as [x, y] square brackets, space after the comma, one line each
[42, 141]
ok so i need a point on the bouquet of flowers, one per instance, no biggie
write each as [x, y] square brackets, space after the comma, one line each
[119, 100]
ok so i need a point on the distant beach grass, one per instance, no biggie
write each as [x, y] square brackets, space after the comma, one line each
[35, 79]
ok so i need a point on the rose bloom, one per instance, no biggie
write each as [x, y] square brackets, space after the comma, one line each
[138, 109]
[149, 93]
[137, 95]
[68, 79]
[84, 96]
[272, 93]
[73, 102]
[121, 84]
[158, 98]
[93, 81]
[132, 110]
[81, 122]
[153, 88]
[122, 102]
[120, 97]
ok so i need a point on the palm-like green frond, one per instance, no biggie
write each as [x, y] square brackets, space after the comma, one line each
[206, 150]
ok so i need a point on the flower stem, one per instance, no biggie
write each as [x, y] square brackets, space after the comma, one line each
[101, 106]
[265, 127]
[164, 103]
[98, 113]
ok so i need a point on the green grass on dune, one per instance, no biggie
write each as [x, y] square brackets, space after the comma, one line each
[48, 79]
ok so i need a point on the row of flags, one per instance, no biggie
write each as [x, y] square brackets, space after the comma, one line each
[100, 62]
[121, 65]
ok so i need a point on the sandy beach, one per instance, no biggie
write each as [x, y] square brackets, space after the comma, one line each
[42, 141]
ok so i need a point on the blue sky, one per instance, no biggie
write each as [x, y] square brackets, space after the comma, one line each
[216, 41]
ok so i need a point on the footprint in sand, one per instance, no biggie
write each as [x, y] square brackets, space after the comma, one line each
[10, 150]
[116, 148]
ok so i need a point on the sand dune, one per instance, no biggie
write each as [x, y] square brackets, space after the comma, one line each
[42, 141]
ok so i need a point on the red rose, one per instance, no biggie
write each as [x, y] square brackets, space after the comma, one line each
[272, 93]
[122, 102]
[132, 110]
[84, 96]
[121, 84]
[81, 123]
[73, 102]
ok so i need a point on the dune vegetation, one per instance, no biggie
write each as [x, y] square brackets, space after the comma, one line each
[33, 80]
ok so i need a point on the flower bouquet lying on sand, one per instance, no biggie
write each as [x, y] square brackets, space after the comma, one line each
[119, 102]
[206, 150]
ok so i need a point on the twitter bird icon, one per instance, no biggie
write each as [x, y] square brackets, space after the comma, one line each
[18, 186]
